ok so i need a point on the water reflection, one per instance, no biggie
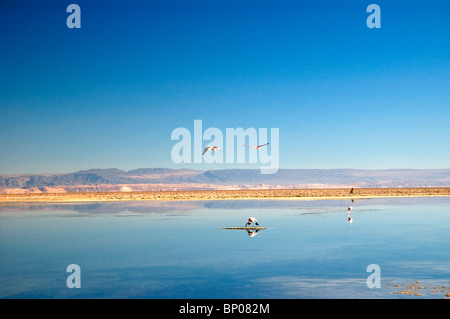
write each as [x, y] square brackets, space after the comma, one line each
[252, 232]
[350, 219]
[154, 206]
[175, 249]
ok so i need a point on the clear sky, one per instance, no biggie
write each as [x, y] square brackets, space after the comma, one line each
[110, 93]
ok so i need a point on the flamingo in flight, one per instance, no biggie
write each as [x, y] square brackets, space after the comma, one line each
[256, 147]
[212, 148]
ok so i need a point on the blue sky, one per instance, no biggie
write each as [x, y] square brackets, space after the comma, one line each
[110, 94]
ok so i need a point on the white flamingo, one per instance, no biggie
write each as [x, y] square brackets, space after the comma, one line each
[256, 147]
[251, 220]
[212, 148]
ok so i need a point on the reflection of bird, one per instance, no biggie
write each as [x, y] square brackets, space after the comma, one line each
[350, 220]
[251, 220]
[252, 233]
[257, 147]
[212, 148]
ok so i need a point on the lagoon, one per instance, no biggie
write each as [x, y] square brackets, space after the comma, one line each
[176, 249]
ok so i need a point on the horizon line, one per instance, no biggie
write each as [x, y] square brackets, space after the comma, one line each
[219, 169]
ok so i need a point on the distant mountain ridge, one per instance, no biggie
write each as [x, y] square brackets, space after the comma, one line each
[166, 178]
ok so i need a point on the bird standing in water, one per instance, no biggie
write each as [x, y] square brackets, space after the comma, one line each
[251, 220]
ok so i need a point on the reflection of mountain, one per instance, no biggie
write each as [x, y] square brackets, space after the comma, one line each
[109, 208]
[129, 208]
[98, 180]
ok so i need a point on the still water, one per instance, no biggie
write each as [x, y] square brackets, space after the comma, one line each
[177, 250]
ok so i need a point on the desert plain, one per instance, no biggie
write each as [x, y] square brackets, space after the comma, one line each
[272, 194]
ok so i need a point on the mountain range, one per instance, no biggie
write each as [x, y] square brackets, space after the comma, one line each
[154, 179]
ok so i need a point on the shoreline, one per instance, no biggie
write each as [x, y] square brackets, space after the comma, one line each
[253, 194]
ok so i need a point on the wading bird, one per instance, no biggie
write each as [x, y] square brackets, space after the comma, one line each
[251, 220]
[257, 147]
[212, 148]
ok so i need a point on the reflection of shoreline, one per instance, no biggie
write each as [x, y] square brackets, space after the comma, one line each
[269, 194]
